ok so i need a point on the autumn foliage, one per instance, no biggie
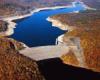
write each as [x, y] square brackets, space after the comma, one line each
[14, 66]
[86, 26]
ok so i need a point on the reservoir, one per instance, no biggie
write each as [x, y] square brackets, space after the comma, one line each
[37, 31]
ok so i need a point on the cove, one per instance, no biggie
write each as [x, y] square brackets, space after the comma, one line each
[37, 31]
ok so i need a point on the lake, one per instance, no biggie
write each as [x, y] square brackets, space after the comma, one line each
[37, 31]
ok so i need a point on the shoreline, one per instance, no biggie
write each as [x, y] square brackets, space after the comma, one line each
[9, 20]
[76, 47]
[57, 23]
[11, 24]
[84, 5]
[45, 49]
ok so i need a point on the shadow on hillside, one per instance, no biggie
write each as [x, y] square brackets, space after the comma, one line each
[54, 69]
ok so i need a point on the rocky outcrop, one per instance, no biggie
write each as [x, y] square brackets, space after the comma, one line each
[86, 28]
[14, 66]
[70, 58]
[5, 31]
[18, 45]
[3, 26]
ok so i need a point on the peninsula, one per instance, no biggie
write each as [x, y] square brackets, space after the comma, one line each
[83, 32]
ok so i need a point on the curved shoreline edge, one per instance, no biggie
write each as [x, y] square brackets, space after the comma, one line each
[76, 48]
[57, 48]
[11, 24]
[57, 23]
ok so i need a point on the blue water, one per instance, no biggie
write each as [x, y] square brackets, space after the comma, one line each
[37, 31]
